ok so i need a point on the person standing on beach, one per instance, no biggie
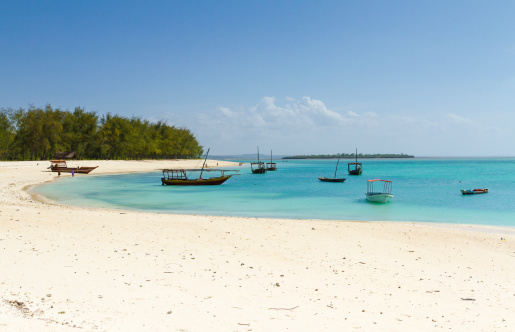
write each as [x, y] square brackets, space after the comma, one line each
[73, 173]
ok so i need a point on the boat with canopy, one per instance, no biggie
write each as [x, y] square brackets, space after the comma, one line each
[271, 166]
[258, 167]
[355, 167]
[61, 166]
[179, 177]
[383, 196]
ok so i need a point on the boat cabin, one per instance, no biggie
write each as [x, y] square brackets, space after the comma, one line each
[258, 167]
[354, 168]
[58, 163]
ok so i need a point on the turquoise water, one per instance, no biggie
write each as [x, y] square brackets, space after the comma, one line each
[425, 190]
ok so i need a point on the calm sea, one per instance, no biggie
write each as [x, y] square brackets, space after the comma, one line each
[425, 190]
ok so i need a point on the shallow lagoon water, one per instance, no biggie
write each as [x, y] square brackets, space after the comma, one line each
[425, 190]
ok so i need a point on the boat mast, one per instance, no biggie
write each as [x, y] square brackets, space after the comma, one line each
[336, 170]
[270, 156]
[205, 159]
[258, 154]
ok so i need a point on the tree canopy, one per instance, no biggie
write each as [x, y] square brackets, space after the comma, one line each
[39, 133]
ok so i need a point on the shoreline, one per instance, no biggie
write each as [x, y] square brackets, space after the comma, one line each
[118, 270]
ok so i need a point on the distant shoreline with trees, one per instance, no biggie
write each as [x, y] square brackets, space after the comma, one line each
[40, 133]
[350, 156]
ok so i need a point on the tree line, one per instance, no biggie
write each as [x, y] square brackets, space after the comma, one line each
[39, 133]
[350, 156]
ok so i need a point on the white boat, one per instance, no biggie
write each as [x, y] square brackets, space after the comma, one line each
[379, 196]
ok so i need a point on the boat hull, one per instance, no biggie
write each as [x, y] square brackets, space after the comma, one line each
[82, 170]
[331, 179]
[379, 197]
[355, 172]
[259, 171]
[196, 182]
[474, 191]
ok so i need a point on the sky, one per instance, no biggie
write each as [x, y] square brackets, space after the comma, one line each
[427, 78]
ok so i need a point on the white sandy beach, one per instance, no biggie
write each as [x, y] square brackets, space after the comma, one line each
[69, 268]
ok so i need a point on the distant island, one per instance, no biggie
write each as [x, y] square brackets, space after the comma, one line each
[350, 156]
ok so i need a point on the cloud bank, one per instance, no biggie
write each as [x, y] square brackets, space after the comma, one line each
[307, 125]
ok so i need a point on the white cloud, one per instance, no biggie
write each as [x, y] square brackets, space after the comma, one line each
[307, 125]
[456, 119]
[297, 114]
[227, 112]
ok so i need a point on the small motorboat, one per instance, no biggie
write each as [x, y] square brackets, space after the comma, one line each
[473, 191]
[379, 196]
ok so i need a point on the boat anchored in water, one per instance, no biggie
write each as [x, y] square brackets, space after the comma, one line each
[356, 167]
[474, 191]
[258, 167]
[179, 177]
[335, 179]
[271, 166]
[379, 196]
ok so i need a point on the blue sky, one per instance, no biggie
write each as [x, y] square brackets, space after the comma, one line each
[429, 78]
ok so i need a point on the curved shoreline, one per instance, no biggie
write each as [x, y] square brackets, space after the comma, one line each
[115, 270]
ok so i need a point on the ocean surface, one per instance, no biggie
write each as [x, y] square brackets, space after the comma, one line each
[425, 190]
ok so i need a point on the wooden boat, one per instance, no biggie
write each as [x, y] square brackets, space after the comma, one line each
[331, 179]
[335, 179]
[61, 166]
[258, 167]
[271, 166]
[179, 177]
[355, 168]
[474, 191]
[379, 196]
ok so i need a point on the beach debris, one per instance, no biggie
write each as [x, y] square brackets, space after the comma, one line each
[468, 299]
[19, 305]
[283, 308]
